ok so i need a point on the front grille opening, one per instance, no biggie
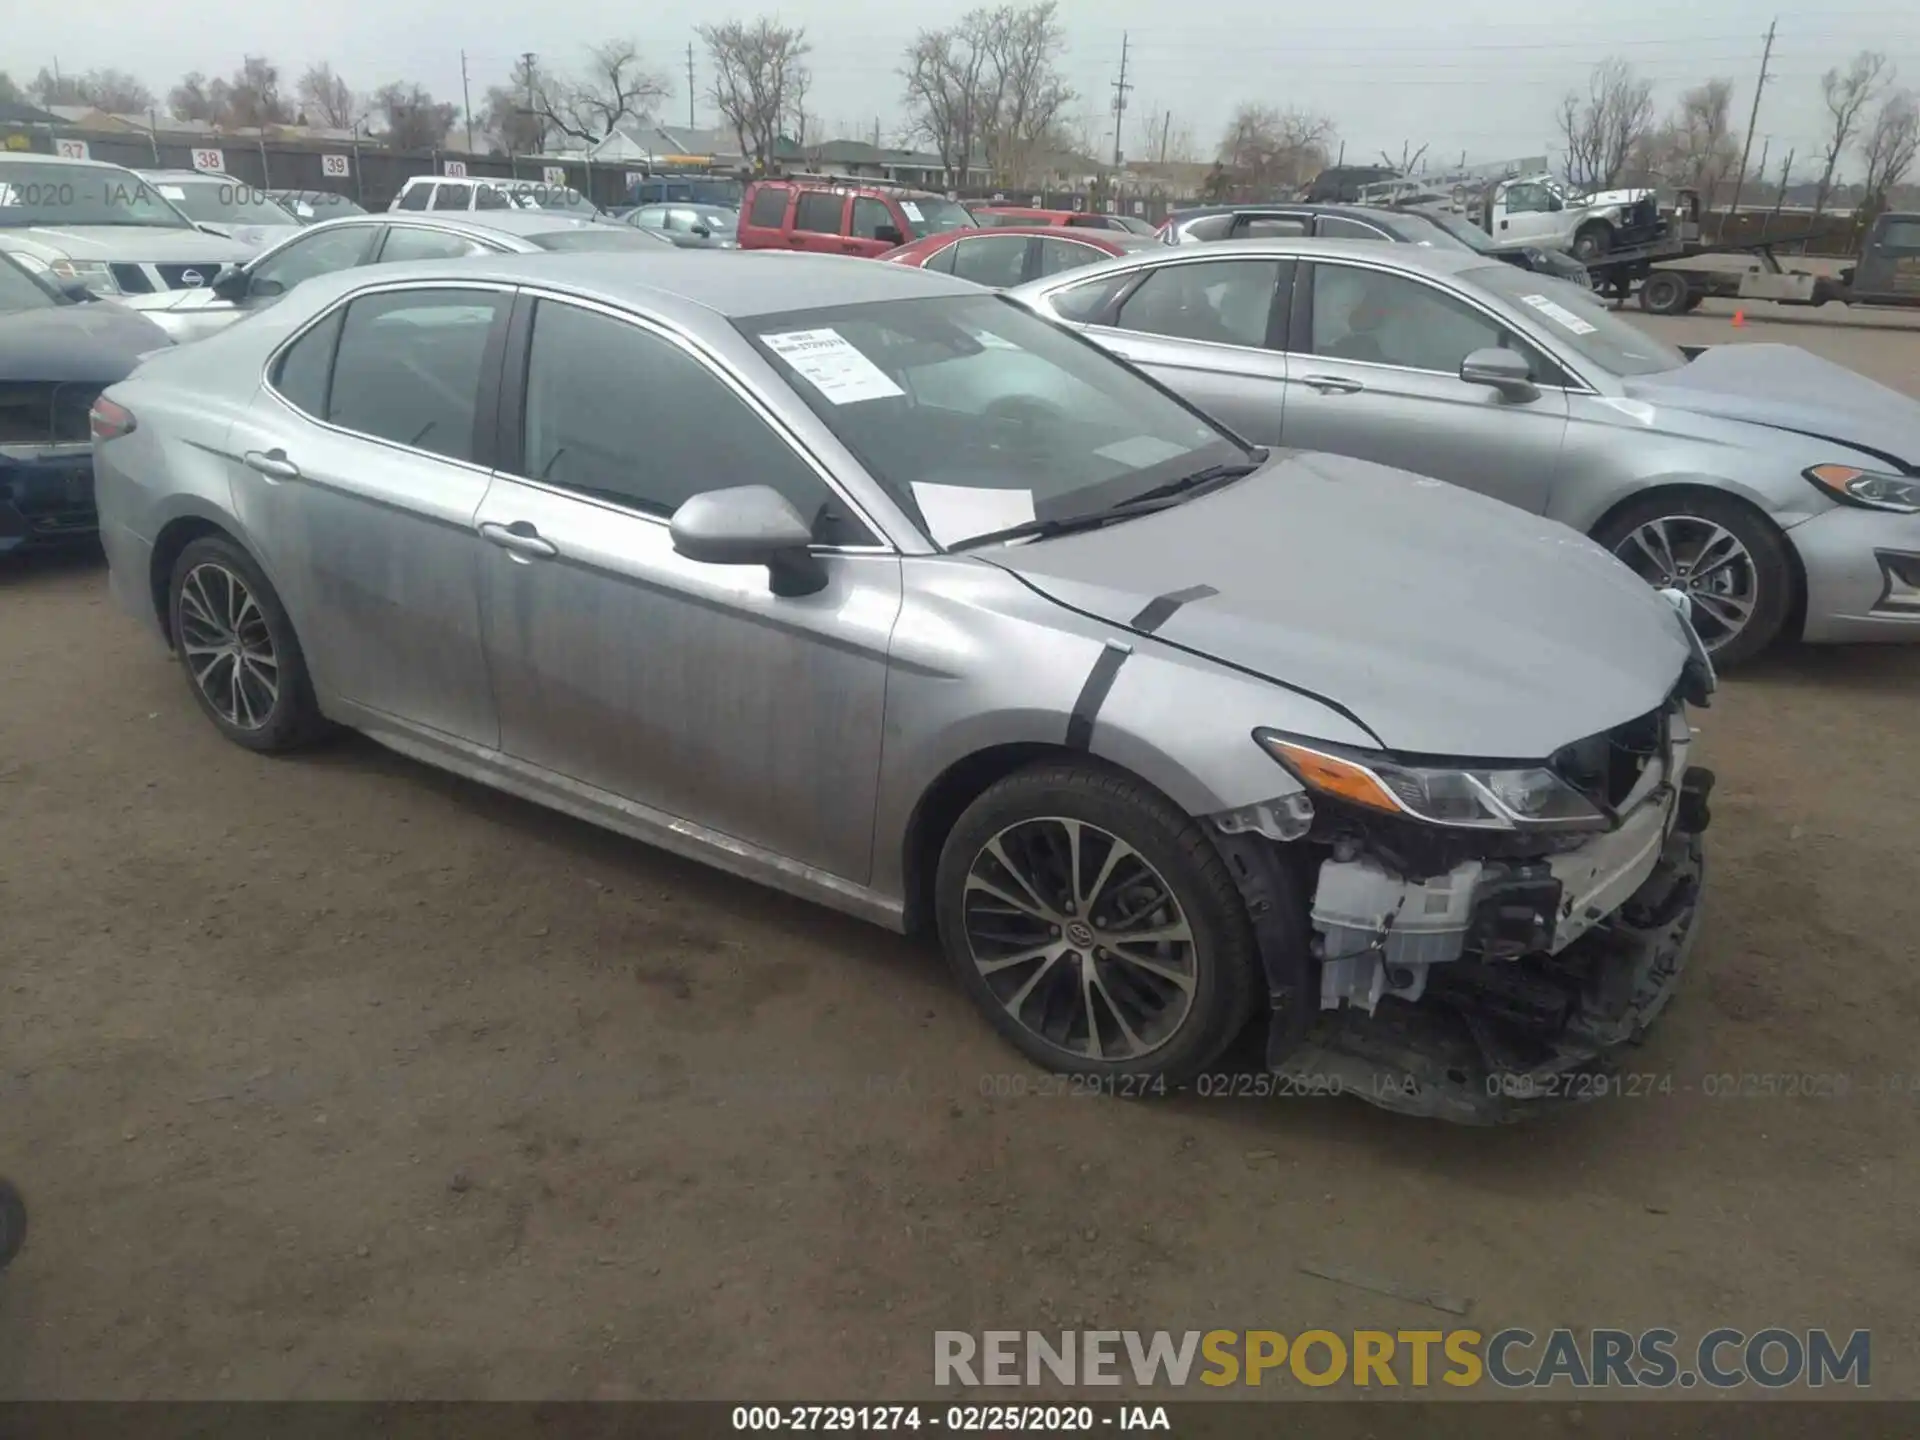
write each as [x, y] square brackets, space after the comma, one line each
[35, 412]
[1606, 767]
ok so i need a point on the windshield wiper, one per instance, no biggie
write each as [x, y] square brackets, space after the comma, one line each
[1186, 484]
[1067, 524]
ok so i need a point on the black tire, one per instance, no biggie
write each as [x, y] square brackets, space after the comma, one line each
[13, 1223]
[292, 718]
[1775, 582]
[1221, 964]
[1695, 298]
[1666, 292]
[1591, 241]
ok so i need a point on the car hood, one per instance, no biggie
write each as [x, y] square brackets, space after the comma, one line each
[1787, 388]
[97, 343]
[141, 244]
[1446, 622]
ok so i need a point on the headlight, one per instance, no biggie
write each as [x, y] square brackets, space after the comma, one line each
[1463, 797]
[94, 274]
[1869, 489]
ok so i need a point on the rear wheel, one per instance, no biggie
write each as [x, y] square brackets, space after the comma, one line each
[1728, 558]
[1096, 925]
[1666, 292]
[237, 646]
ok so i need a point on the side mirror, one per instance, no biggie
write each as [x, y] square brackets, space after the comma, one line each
[1504, 370]
[749, 525]
[233, 284]
[889, 235]
[77, 291]
[703, 232]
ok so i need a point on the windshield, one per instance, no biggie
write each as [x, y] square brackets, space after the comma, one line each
[929, 215]
[1579, 320]
[600, 237]
[53, 194]
[224, 202]
[20, 289]
[1470, 236]
[976, 414]
[562, 199]
[1134, 224]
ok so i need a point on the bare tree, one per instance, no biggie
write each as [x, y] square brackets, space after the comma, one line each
[989, 86]
[1265, 148]
[1889, 145]
[510, 114]
[251, 97]
[113, 91]
[1694, 148]
[197, 98]
[1409, 160]
[615, 85]
[414, 119]
[800, 119]
[757, 66]
[1847, 94]
[1603, 130]
[10, 93]
[326, 100]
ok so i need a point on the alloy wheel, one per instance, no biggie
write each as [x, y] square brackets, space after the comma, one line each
[1080, 939]
[228, 648]
[1707, 562]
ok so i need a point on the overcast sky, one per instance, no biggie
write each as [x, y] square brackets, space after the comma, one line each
[1458, 75]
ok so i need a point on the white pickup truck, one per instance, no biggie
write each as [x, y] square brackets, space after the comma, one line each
[1540, 211]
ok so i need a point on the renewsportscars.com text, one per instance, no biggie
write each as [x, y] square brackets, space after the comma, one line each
[1722, 1359]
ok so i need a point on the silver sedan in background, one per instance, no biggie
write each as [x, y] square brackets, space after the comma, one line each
[363, 239]
[1779, 490]
[762, 561]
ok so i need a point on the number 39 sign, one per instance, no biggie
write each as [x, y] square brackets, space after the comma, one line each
[213, 161]
[333, 165]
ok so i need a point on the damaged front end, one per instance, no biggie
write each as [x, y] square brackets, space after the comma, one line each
[1480, 940]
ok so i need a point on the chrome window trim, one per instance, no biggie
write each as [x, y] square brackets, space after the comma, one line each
[734, 382]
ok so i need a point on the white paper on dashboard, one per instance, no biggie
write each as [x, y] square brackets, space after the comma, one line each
[911, 211]
[172, 192]
[1140, 451]
[958, 512]
[829, 362]
[1559, 314]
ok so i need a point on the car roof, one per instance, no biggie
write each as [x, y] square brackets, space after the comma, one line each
[30, 157]
[1308, 207]
[1428, 259]
[188, 176]
[690, 285]
[467, 222]
[854, 186]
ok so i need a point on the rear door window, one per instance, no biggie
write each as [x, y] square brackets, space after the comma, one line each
[491, 197]
[996, 260]
[1265, 227]
[1057, 255]
[300, 375]
[819, 212]
[1223, 302]
[769, 207]
[409, 242]
[409, 367]
[1339, 227]
[453, 197]
[415, 197]
[870, 217]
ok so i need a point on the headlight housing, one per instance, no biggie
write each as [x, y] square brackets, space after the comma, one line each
[96, 275]
[1463, 797]
[1869, 489]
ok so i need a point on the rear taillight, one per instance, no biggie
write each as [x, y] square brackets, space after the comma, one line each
[109, 421]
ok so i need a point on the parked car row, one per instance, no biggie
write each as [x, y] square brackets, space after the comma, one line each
[891, 592]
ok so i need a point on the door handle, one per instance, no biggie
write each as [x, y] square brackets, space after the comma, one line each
[273, 464]
[519, 540]
[1332, 384]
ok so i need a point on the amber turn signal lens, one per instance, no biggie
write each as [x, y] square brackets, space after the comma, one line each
[1330, 775]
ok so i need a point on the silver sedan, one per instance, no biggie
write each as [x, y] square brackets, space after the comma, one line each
[363, 239]
[1779, 490]
[762, 560]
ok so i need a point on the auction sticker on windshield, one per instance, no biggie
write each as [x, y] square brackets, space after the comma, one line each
[1559, 314]
[959, 512]
[911, 211]
[828, 361]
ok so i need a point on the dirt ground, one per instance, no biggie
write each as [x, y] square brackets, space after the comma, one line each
[336, 1077]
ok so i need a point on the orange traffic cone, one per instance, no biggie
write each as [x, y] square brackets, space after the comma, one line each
[1739, 319]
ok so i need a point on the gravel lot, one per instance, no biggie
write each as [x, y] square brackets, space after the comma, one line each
[336, 1077]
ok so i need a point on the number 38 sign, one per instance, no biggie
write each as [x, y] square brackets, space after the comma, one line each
[213, 161]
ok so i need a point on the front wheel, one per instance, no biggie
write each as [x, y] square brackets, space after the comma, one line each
[1666, 292]
[1592, 241]
[1096, 925]
[1728, 558]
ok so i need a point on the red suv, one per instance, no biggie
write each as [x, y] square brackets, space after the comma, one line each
[842, 215]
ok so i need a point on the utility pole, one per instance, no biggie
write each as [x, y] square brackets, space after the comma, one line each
[690, 85]
[466, 99]
[1753, 119]
[1120, 89]
[527, 59]
[1166, 130]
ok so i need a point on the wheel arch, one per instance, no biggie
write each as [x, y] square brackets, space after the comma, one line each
[174, 537]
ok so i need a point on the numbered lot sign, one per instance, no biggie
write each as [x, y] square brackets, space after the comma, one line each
[334, 166]
[554, 174]
[457, 168]
[72, 150]
[212, 161]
